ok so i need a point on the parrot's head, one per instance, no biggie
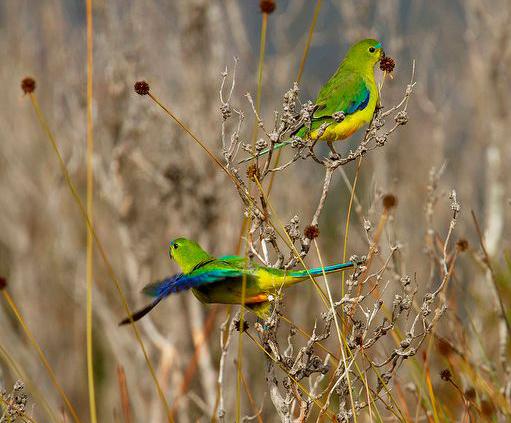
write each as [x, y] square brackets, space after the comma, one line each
[366, 52]
[187, 254]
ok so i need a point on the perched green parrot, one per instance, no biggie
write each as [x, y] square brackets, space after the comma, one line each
[348, 100]
[219, 280]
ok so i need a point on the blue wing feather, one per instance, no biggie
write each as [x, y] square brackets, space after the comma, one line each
[360, 103]
[181, 282]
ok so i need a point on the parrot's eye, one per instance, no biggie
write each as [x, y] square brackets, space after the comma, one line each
[372, 49]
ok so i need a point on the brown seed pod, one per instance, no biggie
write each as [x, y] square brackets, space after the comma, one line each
[389, 201]
[141, 87]
[311, 232]
[470, 394]
[3, 283]
[28, 85]
[462, 245]
[446, 375]
[267, 6]
[387, 64]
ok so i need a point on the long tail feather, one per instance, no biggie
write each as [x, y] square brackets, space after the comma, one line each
[140, 313]
[265, 151]
[318, 271]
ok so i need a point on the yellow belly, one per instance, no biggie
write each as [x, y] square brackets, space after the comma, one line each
[351, 124]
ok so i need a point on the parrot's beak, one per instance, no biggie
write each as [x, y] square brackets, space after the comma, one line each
[382, 54]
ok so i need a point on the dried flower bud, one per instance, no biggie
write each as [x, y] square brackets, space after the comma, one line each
[3, 283]
[470, 394]
[446, 375]
[311, 232]
[462, 245]
[225, 109]
[28, 85]
[387, 64]
[389, 201]
[381, 139]
[267, 6]
[237, 325]
[260, 145]
[141, 87]
[402, 117]
[378, 122]
[19, 385]
[252, 172]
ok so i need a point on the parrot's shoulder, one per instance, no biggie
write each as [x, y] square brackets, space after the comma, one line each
[345, 91]
[237, 261]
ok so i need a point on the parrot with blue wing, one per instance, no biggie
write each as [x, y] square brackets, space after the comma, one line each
[220, 280]
[347, 101]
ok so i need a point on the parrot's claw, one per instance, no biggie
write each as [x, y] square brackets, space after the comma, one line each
[334, 155]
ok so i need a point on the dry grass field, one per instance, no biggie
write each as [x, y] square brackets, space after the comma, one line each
[96, 180]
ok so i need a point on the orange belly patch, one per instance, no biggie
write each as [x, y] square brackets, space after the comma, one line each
[260, 298]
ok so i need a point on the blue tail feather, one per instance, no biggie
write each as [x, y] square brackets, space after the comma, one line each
[318, 271]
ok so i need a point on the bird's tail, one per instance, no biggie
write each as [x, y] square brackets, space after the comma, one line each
[140, 313]
[266, 151]
[319, 271]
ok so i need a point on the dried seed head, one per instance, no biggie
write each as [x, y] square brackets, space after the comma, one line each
[387, 64]
[389, 201]
[28, 85]
[260, 145]
[446, 375]
[311, 232]
[19, 385]
[3, 283]
[237, 325]
[462, 245]
[402, 117]
[141, 87]
[253, 172]
[470, 393]
[267, 6]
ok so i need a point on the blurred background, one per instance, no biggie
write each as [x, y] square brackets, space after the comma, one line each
[153, 184]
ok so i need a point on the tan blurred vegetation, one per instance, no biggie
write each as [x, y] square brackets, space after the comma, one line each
[153, 184]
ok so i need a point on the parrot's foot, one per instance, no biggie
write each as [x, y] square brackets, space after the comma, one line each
[334, 155]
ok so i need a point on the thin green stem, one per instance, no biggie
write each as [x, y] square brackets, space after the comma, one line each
[90, 241]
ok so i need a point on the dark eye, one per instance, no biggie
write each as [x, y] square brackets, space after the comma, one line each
[175, 246]
[372, 49]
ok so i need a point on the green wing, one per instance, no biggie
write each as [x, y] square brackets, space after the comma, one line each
[236, 261]
[345, 92]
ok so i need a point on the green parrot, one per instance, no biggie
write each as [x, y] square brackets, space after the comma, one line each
[347, 101]
[220, 280]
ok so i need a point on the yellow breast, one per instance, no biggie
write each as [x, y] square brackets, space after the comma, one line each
[351, 124]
